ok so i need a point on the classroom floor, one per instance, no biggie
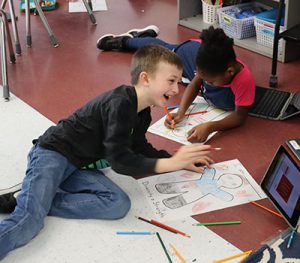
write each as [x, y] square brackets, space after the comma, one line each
[56, 81]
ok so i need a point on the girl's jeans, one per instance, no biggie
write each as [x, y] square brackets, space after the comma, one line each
[53, 186]
[187, 51]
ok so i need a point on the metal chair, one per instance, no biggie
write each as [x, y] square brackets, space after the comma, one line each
[14, 24]
[5, 39]
[40, 12]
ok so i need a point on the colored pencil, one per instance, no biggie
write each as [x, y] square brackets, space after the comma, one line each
[168, 228]
[243, 258]
[148, 221]
[218, 223]
[178, 254]
[164, 247]
[195, 113]
[291, 237]
[161, 225]
[234, 256]
[176, 106]
[267, 209]
[134, 233]
[169, 117]
[216, 149]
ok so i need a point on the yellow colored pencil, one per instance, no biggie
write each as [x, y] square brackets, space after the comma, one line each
[234, 256]
[247, 255]
[178, 254]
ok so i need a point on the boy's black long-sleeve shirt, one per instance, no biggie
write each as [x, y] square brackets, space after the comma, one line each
[107, 127]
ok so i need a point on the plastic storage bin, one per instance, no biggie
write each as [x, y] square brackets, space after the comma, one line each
[210, 14]
[235, 25]
[265, 28]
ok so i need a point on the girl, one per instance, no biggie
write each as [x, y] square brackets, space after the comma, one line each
[210, 64]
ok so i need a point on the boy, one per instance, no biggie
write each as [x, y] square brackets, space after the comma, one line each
[111, 126]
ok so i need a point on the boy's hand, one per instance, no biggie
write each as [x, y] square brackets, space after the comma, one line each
[198, 167]
[176, 118]
[199, 133]
[187, 157]
[190, 156]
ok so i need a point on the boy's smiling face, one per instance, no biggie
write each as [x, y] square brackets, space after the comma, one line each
[163, 83]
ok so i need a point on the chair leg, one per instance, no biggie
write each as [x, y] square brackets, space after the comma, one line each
[88, 6]
[7, 36]
[14, 24]
[14, 27]
[28, 26]
[6, 94]
[52, 38]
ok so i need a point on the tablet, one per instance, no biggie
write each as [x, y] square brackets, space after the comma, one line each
[281, 184]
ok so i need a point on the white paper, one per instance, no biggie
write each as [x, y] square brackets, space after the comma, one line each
[179, 134]
[183, 193]
[78, 6]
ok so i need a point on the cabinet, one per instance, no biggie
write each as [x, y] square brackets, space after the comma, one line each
[190, 15]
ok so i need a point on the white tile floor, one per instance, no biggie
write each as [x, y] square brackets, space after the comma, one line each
[66, 241]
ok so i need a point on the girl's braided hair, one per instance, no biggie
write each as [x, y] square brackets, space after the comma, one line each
[216, 52]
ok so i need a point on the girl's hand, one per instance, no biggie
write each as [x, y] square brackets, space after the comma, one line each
[199, 133]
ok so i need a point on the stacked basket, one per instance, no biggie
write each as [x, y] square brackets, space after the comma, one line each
[265, 28]
[240, 26]
[209, 10]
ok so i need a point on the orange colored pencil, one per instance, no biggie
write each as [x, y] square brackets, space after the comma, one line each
[169, 117]
[267, 209]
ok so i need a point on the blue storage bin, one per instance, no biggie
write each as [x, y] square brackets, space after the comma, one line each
[237, 21]
[270, 16]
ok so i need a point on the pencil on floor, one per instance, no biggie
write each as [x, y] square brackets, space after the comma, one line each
[267, 209]
[164, 247]
[178, 254]
[134, 233]
[163, 226]
[217, 223]
[247, 253]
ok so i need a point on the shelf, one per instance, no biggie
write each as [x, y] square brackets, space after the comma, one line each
[292, 34]
[196, 23]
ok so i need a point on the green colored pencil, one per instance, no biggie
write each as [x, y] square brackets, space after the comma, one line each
[164, 247]
[218, 223]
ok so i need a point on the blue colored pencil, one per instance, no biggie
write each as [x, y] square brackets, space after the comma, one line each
[134, 233]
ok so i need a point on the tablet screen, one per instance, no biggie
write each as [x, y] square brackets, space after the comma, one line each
[281, 184]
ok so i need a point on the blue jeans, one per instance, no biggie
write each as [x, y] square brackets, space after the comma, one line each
[187, 51]
[54, 186]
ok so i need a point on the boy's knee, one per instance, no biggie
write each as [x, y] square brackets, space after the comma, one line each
[121, 206]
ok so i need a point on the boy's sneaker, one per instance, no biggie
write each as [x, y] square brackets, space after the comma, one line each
[8, 199]
[149, 31]
[112, 42]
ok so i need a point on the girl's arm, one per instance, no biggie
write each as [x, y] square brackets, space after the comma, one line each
[189, 95]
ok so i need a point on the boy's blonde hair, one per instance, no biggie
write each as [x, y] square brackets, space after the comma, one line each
[147, 59]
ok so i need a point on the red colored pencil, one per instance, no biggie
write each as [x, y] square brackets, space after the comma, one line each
[195, 113]
[168, 227]
[161, 225]
[150, 222]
